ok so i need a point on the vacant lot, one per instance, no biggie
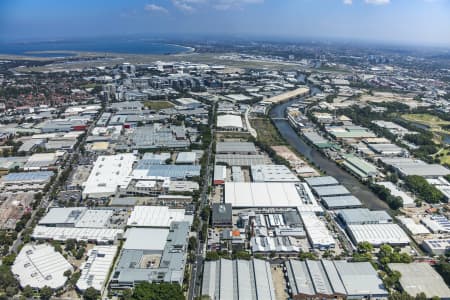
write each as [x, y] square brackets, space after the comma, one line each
[444, 156]
[267, 133]
[425, 119]
[157, 105]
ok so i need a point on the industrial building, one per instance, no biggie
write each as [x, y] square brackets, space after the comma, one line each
[247, 148]
[436, 246]
[360, 216]
[221, 215]
[186, 158]
[421, 278]
[154, 216]
[242, 160]
[91, 235]
[95, 269]
[359, 167]
[378, 234]
[387, 149]
[341, 202]
[272, 173]
[108, 173]
[26, 181]
[318, 234]
[166, 171]
[238, 279]
[272, 194]
[326, 279]
[152, 255]
[410, 166]
[157, 136]
[77, 217]
[220, 174]
[230, 122]
[436, 223]
[41, 161]
[331, 190]
[39, 266]
[321, 181]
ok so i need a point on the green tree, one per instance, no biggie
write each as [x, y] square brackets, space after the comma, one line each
[91, 294]
[9, 259]
[158, 291]
[46, 293]
[27, 291]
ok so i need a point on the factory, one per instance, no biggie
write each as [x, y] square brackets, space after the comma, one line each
[39, 266]
[341, 202]
[90, 235]
[410, 166]
[77, 217]
[230, 122]
[245, 148]
[359, 167]
[26, 181]
[238, 279]
[318, 234]
[396, 192]
[326, 279]
[155, 216]
[161, 258]
[272, 173]
[108, 173]
[273, 194]
[421, 278]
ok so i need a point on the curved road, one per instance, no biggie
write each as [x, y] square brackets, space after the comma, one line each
[277, 114]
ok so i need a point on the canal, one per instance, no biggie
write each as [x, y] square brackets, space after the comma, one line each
[359, 190]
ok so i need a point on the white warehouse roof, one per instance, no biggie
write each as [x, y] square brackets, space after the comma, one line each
[95, 269]
[39, 266]
[378, 234]
[98, 235]
[154, 216]
[108, 173]
[229, 121]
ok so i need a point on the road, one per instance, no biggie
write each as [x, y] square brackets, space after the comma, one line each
[197, 266]
[277, 114]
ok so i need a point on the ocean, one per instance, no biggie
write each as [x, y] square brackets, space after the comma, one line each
[101, 45]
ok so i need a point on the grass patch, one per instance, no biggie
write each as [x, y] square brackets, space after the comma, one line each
[267, 133]
[443, 155]
[425, 119]
[157, 105]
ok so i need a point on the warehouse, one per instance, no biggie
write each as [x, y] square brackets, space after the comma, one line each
[186, 158]
[39, 266]
[238, 279]
[278, 245]
[326, 279]
[436, 223]
[247, 148]
[412, 227]
[241, 159]
[396, 192]
[91, 235]
[173, 172]
[273, 194]
[26, 181]
[318, 234]
[153, 159]
[161, 258]
[378, 234]
[359, 167]
[387, 149]
[77, 217]
[108, 173]
[41, 161]
[421, 278]
[359, 216]
[220, 174]
[409, 166]
[159, 136]
[230, 122]
[341, 202]
[154, 216]
[321, 181]
[333, 190]
[272, 173]
[437, 247]
[95, 269]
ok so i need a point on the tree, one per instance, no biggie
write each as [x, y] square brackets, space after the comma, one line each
[307, 255]
[158, 291]
[9, 259]
[27, 291]
[46, 293]
[67, 273]
[91, 294]
[212, 255]
[80, 253]
[70, 244]
[127, 294]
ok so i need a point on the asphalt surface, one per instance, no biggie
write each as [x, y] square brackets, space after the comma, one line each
[361, 191]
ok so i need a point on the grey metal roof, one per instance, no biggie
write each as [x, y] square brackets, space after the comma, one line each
[299, 278]
[319, 277]
[174, 171]
[221, 213]
[364, 216]
[333, 277]
[341, 201]
[241, 159]
[28, 176]
[333, 190]
[321, 181]
[236, 147]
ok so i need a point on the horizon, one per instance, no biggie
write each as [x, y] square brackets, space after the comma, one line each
[390, 22]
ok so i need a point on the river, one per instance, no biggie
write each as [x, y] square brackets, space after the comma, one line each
[359, 190]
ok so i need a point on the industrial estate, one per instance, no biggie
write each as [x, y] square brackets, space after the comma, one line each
[297, 175]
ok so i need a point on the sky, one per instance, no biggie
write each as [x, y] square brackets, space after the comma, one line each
[418, 22]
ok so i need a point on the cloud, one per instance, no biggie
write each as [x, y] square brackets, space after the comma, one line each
[348, 2]
[193, 5]
[378, 2]
[155, 8]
